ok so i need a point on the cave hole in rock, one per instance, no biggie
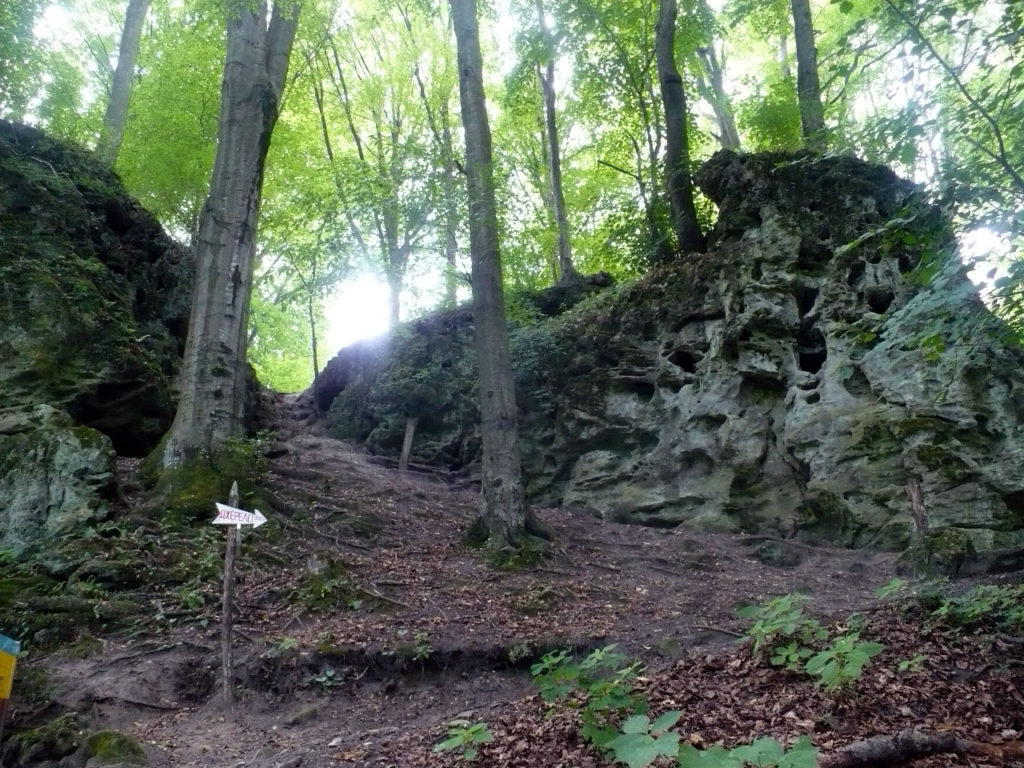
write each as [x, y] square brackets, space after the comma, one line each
[637, 386]
[756, 272]
[879, 300]
[908, 261]
[811, 348]
[813, 398]
[760, 391]
[812, 257]
[685, 359]
[1014, 502]
[855, 273]
[858, 384]
[805, 296]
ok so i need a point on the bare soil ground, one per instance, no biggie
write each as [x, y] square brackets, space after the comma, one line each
[365, 624]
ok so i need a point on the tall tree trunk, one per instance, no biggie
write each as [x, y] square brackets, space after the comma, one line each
[112, 132]
[714, 91]
[677, 150]
[808, 90]
[783, 54]
[211, 407]
[566, 271]
[503, 509]
[451, 213]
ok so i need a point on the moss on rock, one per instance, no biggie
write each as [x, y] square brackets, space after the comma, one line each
[112, 748]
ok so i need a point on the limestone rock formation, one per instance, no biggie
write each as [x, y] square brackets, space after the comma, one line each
[94, 296]
[824, 363]
[94, 303]
[55, 478]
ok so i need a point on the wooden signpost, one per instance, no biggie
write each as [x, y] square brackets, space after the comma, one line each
[229, 514]
[9, 650]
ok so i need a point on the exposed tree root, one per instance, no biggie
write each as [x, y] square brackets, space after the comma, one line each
[905, 746]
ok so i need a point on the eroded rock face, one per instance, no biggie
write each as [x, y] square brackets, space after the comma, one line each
[55, 478]
[827, 352]
[94, 304]
[94, 297]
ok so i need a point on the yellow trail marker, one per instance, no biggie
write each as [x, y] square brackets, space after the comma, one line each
[9, 650]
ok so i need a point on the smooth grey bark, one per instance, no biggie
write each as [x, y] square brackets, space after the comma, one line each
[713, 89]
[503, 509]
[566, 271]
[211, 408]
[808, 89]
[112, 132]
[677, 151]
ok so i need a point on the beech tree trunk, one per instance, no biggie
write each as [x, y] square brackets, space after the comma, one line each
[714, 91]
[112, 131]
[808, 90]
[566, 271]
[677, 151]
[211, 407]
[503, 510]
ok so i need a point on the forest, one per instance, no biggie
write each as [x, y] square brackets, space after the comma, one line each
[364, 174]
[622, 382]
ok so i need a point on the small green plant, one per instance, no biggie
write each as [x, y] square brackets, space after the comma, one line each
[192, 599]
[762, 753]
[893, 588]
[781, 618]
[911, 665]
[988, 605]
[641, 742]
[329, 678]
[841, 663]
[600, 684]
[422, 648]
[465, 736]
[792, 656]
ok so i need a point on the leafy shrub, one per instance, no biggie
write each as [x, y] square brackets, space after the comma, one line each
[781, 618]
[986, 605]
[601, 684]
[465, 736]
[841, 663]
[641, 742]
[762, 753]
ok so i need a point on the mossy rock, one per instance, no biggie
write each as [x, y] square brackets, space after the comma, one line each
[50, 741]
[944, 552]
[113, 748]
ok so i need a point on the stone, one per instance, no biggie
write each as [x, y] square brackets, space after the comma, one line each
[94, 296]
[55, 478]
[826, 354]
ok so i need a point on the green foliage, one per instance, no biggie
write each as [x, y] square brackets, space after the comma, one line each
[781, 618]
[841, 664]
[892, 588]
[328, 589]
[762, 753]
[792, 656]
[986, 605]
[771, 119]
[913, 664]
[837, 665]
[600, 685]
[641, 742]
[465, 736]
[329, 678]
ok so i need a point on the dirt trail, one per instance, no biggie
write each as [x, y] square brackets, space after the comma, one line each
[363, 618]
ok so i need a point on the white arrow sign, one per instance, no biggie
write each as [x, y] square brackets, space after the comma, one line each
[233, 516]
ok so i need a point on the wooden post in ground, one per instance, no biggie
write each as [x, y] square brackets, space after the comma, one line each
[410, 431]
[227, 601]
